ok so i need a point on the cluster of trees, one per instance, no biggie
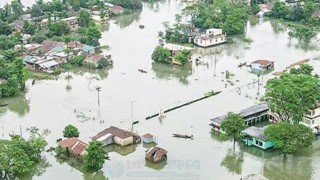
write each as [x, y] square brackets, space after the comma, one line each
[12, 11]
[19, 155]
[128, 4]
[303, 12]
[13, 74]
[293, 94]
[94, 157]
[231, 17]
[161, 55]
[290, 97]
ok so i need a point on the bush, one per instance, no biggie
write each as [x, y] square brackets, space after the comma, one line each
[70, 131]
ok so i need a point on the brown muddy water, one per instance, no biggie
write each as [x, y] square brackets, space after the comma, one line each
[127, 95]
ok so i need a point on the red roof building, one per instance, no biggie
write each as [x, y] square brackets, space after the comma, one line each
[74, 146]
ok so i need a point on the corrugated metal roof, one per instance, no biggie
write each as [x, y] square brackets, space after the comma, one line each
[49, 64]
[255, 109]
[255, 132]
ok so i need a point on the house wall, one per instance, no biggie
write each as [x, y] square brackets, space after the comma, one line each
[262, 144]
[107, 141]
[256, 67]
[312, 121]
[123, 142]
[147, 140]
[210, 41]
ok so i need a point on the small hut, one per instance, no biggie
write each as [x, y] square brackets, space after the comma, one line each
[156, 154]
[147, 138]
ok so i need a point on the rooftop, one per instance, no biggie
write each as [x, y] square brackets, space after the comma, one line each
[262, 62]
[255, 132]
[74, 144]
[255, 109]
[148, 135]
[123, 134]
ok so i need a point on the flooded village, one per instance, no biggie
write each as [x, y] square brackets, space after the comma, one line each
[159, 118]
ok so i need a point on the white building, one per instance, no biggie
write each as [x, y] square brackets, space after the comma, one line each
[72, 22]
[312, 119]
[210, 38]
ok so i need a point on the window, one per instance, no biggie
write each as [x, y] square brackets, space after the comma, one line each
[259, 143]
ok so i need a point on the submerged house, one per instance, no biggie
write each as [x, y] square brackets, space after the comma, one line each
[262, 65]
[156, 154]
[74, 147]
[148, 138]
[116, 135]
[252, 115]
[312, 119]
[211, 37]
[254, 136]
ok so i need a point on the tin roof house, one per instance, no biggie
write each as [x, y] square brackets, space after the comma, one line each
[254, 136]
[252, 115]
[260, 66]
[74, 146]
[211, 37]
[156, 154]
[116, 135]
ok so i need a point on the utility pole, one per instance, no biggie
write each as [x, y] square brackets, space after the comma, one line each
[98, 89]
[132, 115]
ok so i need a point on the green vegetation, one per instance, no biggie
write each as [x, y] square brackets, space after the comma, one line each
[128, 4]
[289, 138]
[19, 156]
[95, 157]
[77, 60]
[161, 54]
[70, 131]
[58, 29]
[292, 95]
[13, 74]
[90, 35]
[230, 17]
[233, 125]
[84, 18]
[305, 23]
[183, 57]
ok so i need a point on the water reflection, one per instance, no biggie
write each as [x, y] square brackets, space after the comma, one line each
[94, 176]
[168, 72]
[18, 104]
[278, 27]
[293, 168]
[210, 50]
[102, 73]
[156, 166]
[125, 20]
[124, 151]
[38, 170]
[233, 161]
[153, 4]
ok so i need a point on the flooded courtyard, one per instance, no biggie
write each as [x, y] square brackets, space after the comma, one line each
[127, 95]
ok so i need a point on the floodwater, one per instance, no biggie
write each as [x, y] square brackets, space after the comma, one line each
[127, 95]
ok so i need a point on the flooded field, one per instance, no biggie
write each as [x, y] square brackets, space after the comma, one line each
[127, 95]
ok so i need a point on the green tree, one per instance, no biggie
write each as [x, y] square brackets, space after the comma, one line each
[77, 60]
[183, 57]
[289, 138]
[233, 125]
[304, 69]
[279, 10]
[90, 35]
[128, 4]
[95, 157]
[5, 28]
[19, 155]
[161, 54]
[59, 28]
[84, 18]
[39, 37]
[104, 62]
[291, 96]
[70, 131]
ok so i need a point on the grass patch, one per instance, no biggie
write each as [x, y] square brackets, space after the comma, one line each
[41, 75]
